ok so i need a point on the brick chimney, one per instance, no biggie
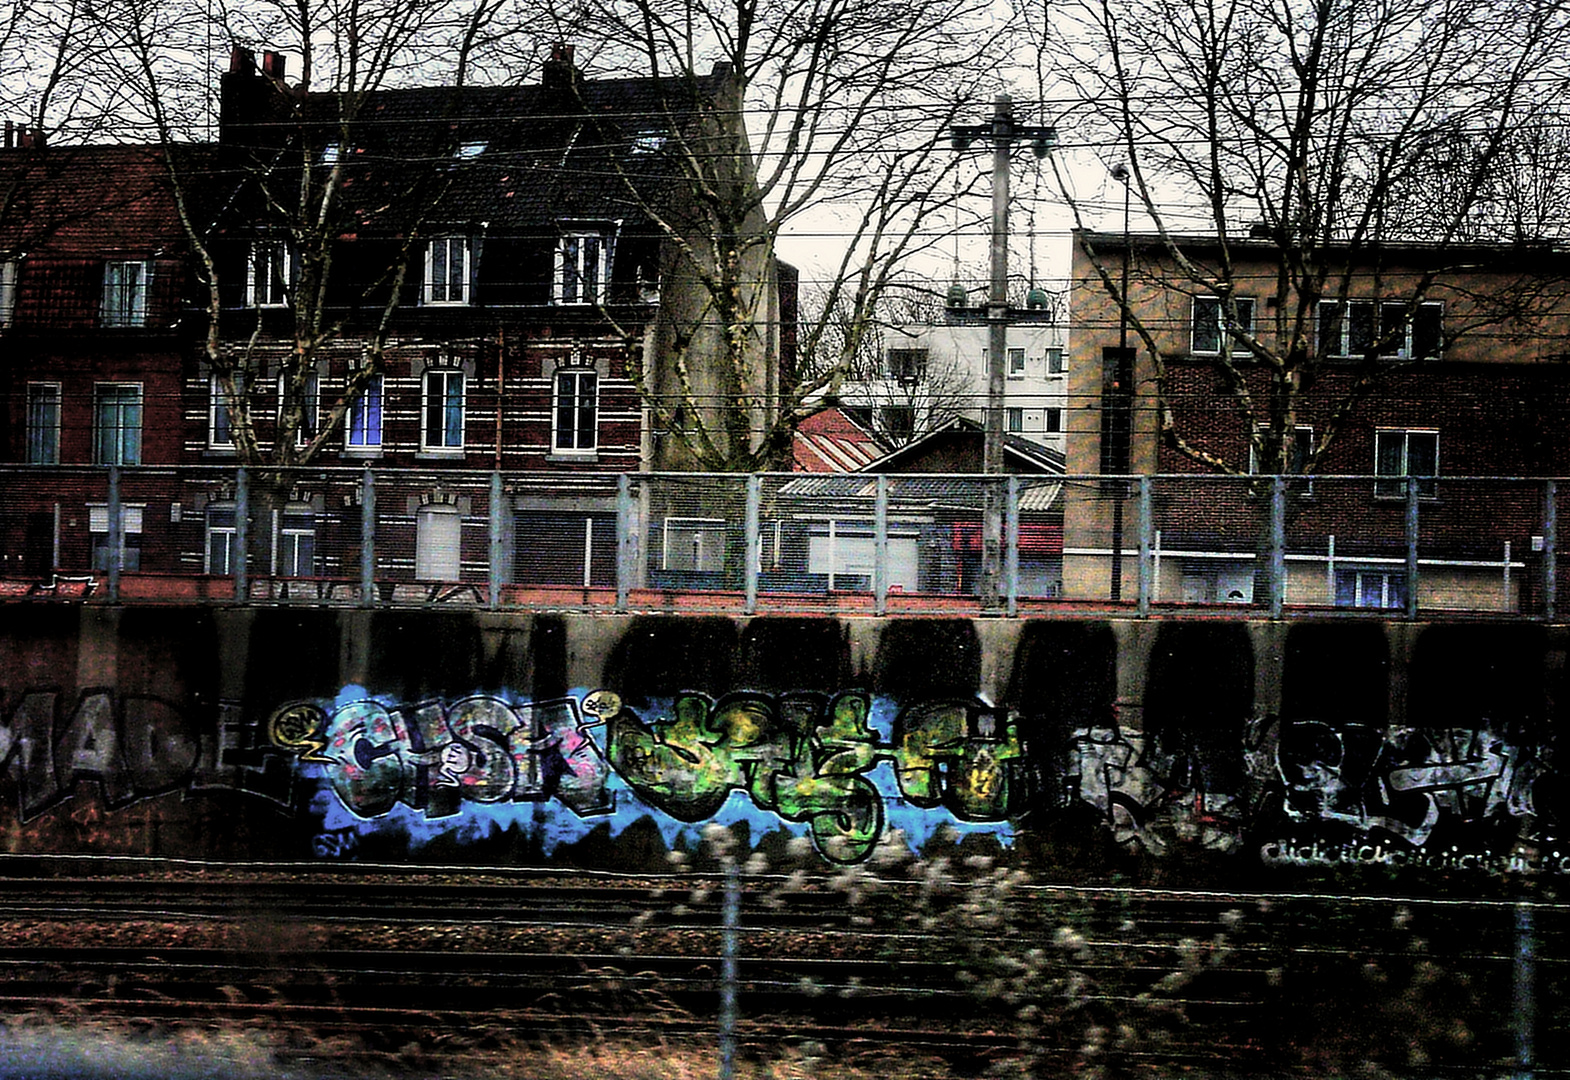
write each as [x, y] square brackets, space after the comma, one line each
[560, 71]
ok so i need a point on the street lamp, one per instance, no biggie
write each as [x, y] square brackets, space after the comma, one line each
[1003, 132]
[1117, 401]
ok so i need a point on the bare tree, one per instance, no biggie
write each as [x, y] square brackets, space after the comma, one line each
[1287, 147]
[279, 177]
[833, 110]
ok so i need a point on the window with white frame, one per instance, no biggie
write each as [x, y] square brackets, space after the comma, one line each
[117, 424]
[1054, 421]
[7, 291]
[1357, 328]
[43, 423]
[269, 274]
[1402, 453]
[447, 270]
[441, 410]
[1218, 326]
[296, 555]
[131, 515]
[1016, 363]
[1014, 420]
[220, 425]
[309, 406]
[582, 268]
[363, 424]
[222, 539]
[693, 544]
[1371, 587]
[1055, 362]
[125, 293]
[575, 411]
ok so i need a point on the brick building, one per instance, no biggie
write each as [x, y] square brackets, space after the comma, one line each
[507, 250]
[1416, 368]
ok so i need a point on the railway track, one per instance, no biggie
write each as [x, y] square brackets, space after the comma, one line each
[369, 956]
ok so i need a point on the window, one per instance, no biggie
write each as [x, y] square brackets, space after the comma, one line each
[1360, 326]
[1297, 456]
[1016, 363]
[437, 535]
[441, 417]
[1055, 362]
[125, 293]
[1371, 588]
[222, 540]
[220, 431]
[308, 408]
[1212, 326]
[130, 535]
[7, 290]
[575, 414]
[364, 423]
[447, 270]
[1014, 420]
[1054, 421]
[296, 543]
[117, 424]
[332, 153]
[43, 423]
[468, 151]
[696, 544]
[582, 268]
[906, 365]
[1402, 454]
[269, 274]
[899, 421]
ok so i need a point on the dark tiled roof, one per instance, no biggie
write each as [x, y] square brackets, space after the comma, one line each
[536, 155]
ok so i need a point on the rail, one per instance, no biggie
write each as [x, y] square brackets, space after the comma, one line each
[854, 543]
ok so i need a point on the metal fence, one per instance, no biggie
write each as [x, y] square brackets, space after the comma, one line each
[888, 544]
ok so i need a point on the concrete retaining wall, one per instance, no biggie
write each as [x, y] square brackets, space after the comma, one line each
[603, 740]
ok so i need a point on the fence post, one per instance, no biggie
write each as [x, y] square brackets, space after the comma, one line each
[1277, 570]
[754, 554]
[498, 529]
[880, 547]
[624, 524]
[1523, 990]
[242, 536]
[1011, 545]
[730, 920]
[368, 539]
[1146, 525]
[1550, 549]
[1411, 547]
[116, 533]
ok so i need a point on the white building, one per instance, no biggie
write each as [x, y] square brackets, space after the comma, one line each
[932, 374]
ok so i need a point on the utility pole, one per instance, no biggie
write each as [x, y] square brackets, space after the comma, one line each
[1003, 132]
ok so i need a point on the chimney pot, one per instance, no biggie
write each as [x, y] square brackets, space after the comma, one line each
[561, 52]
[241, 60]
[273, 65]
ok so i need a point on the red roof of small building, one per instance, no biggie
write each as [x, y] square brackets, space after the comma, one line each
[828, 441]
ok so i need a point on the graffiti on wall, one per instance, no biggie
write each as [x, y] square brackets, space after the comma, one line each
[1323, 793]
[845, 770]
[132, 747]
[801, 758]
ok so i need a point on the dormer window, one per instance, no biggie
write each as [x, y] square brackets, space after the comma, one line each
[468, 151]
[583, 259]
[332, 153]
[269, 274]
[648, 142]
[125, 292]
[447, 270]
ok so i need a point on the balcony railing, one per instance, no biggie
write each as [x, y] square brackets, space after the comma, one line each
[835, 543]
